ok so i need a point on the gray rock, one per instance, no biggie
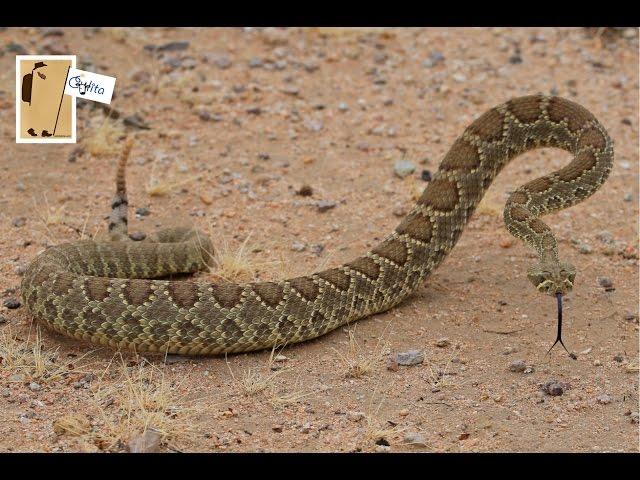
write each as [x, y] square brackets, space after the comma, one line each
[5, 392]
[19, 222]
[223, 62]
[403, 168]
[17, 377]
[628, 197]
[298, 247]
[354, 416]
[143, 211]
[148, 442]
[415, 438]
[343, 107]
[173, 46]
[137, 236]
[518, 366]
[35, 387]
[604, 399]
[12, 303]
[606, 283]
[256, 63]
[324, 205]
[555, 388]
[434, 59]
[313, 125]
[410, 357]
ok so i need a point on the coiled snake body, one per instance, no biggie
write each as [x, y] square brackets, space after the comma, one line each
[109, 293]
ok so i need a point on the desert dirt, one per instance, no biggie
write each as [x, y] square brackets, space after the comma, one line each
[239, 120]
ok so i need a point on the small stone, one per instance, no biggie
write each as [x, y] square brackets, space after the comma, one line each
[16, 377]
[554, 388]
[343, 107]
[459, 77]
[604, 399]
[434, 59]
[298, 247]
[19, 222]
[143, 211]
[173, 46]
[324, 205]
[280, 358]
[317, 248]
[518, 366]
[5, 392]
[20, 270]
[606, 283]
[136, 121]
[305, 191]
[172, 358]
[597, 363]
[628, 197]
[618, 358]
[383, 448]
[403, 168]
[35, 387]
[223, 62]
[12, 303]
[509, 350]
[425, 175]
[634, 418]
[354, 416]
[605, 237]
[255, 110]
[515, 59]
[148, 442]
[410, 357]
[137, 236]
[313, 125]
[529, 370]
[415, 438]
[464, 436]
[256, 63]
[306, 428]
[631, 317]
[443, 342]
[399, 210]
[3, 319]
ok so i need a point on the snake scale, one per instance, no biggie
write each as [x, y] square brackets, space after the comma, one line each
[115, 292]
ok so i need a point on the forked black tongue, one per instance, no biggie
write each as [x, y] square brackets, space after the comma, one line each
[559, 337]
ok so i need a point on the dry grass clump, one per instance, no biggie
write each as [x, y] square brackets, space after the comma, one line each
[30, 359]
[104, 141]
[156, 187]
[253, 382]
[141, 400]
[358, 363]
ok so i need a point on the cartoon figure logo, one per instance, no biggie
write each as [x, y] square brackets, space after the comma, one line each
[44, 113]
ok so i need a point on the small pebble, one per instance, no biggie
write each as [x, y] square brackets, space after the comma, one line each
[518, 366]
[554, 388]
[634, 418]
[3, 319]
[298, 247]
[403, 168]
[137, 236]
[12, 303]
[343, 107]
[19, 222]
[606, 283]
[443, 342]
[392, 364]
[383, 448]
[604, 399]
[223, 62]
[142, 211]
[618, 358]
[324, 205]
[148, 442]
[354, 416]
[415, 438]
[256, 63]
[5, 392]
[173, 46]
[35, 387]
[425, 175]
[410, 357]
[628, 197]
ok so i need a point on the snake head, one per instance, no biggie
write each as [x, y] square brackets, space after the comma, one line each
[552, 277]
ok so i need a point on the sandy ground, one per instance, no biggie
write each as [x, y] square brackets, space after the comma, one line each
[239, 121]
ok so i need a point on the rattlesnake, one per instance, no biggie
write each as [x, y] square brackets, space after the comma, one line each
[111, 293]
